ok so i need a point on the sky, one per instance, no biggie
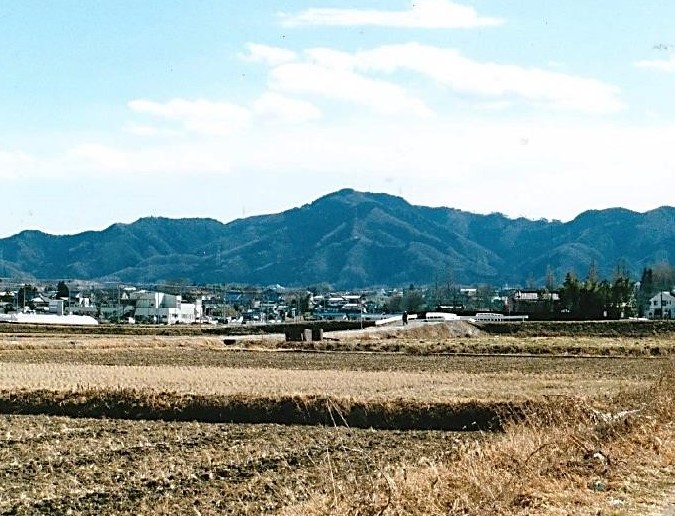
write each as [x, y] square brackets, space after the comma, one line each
[112, 110]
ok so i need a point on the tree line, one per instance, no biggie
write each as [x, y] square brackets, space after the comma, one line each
[595, 298]
[591, 297]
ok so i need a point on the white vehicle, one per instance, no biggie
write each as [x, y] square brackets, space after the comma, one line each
[440, 317]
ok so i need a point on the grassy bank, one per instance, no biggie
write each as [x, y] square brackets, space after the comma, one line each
[289, 410]
[573, 459]
[623, 328]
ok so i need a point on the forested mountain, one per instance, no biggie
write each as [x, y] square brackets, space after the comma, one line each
[349, 239]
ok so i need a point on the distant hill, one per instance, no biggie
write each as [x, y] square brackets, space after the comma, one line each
[348, 239]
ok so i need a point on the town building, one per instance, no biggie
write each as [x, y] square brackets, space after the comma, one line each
[165, 308]
[661, 306]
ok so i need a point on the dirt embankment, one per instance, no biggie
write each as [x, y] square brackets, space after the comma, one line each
[579, 328]
[291, 410]
[415, 330]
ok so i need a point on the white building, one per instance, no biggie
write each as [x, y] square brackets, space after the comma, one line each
[661, 306]
[165, 309]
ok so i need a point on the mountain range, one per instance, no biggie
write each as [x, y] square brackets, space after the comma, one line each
[349, 239]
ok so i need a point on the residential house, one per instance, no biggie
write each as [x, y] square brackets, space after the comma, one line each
[661, 306]
[80, 304]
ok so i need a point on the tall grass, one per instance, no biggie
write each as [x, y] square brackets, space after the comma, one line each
[573, 457]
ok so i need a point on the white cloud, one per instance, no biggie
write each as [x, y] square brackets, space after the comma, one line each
[522, 167]
[175, 158]
[359, 78]
[200, 116]
[330, 58]
[100, 156]
[146, 130]
[426, 14]
[461, 74]
[664, 65]
[272, 56]
[484, 166]
[340, 84]
[497, 105]
[283, 109]
[13, 164]
[220, 118]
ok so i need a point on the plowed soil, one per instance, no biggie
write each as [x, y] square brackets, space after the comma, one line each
[56, 465]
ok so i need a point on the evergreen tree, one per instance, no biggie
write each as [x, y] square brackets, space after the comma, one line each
[25, 295]
[570, 293]
[62, 290]
[623, 290]
[646, 291]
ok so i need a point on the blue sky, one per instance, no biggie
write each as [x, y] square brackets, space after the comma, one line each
[115, 110]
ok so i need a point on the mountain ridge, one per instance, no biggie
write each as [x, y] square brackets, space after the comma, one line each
[349, 239]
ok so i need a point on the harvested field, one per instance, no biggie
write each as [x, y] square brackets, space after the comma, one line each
[177, 329]
[433, 339]
[569, 459]
[53, 465]
[219, 356]
[202, 367]
[549, 407]
[431, 387]
[623, 328]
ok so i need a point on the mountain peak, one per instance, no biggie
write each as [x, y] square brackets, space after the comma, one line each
[349, 239]
[353, 197]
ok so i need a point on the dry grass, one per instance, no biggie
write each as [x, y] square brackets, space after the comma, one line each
[579, 458]
[296, 410]
[431, 387]
[203, 365]
[36, 342]
[545, 464]
[404, 342]
[58, 465]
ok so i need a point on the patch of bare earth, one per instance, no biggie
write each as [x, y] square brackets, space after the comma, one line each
[58, 465]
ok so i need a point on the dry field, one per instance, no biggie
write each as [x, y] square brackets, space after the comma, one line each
[428, 386]
[615, 461]
[557, 452]
[52, 465]
[416, 339]
[208, 368]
